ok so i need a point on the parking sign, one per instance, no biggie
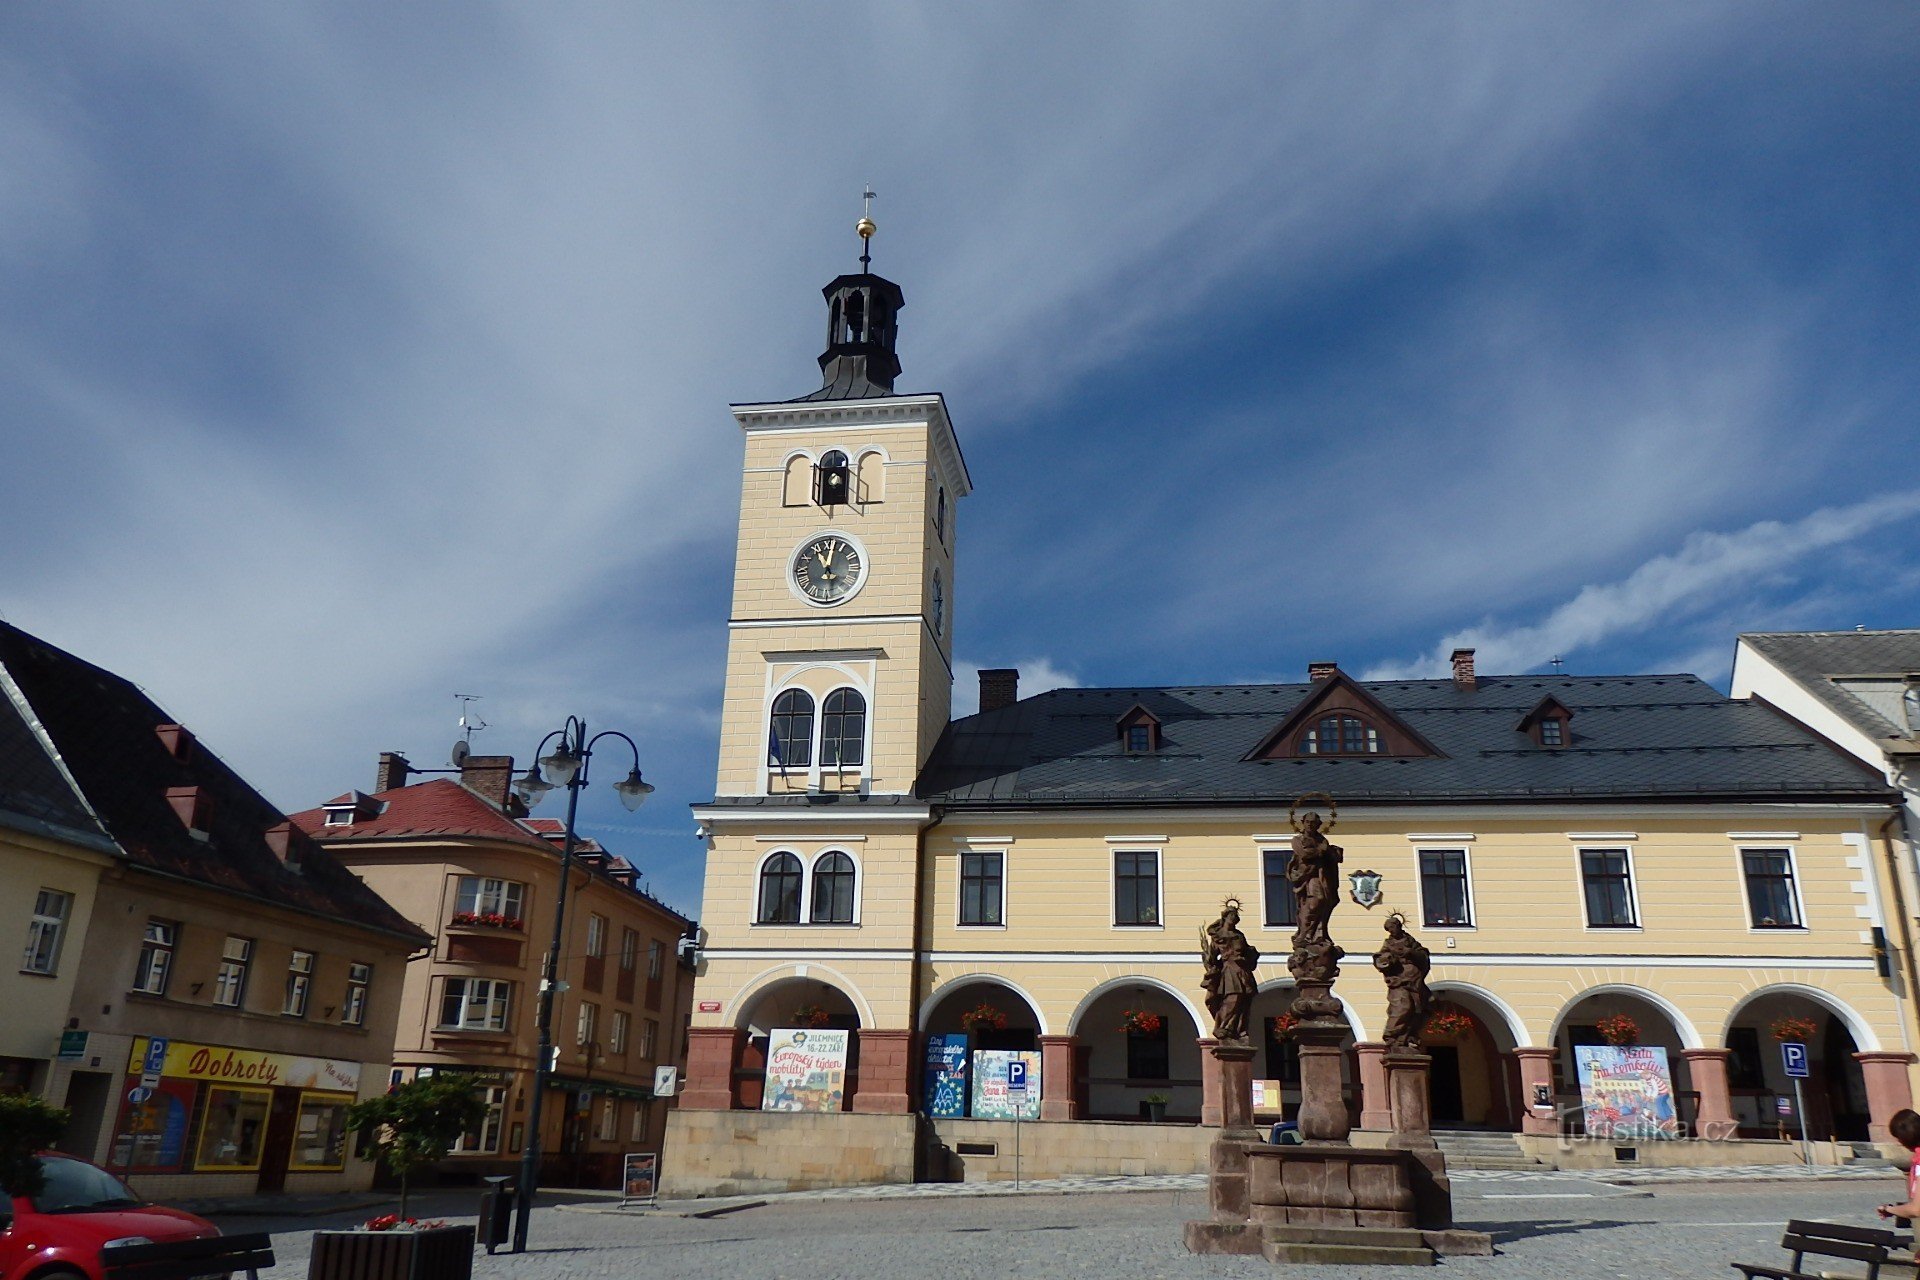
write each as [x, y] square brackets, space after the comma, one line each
[1016, 1078]
[1793, 1055]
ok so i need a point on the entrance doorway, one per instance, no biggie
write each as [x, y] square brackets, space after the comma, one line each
[277, 1149]
[87, 1095]
[1447, 1105]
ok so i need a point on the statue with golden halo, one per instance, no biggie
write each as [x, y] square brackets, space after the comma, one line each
[1227, 962]
[1313, 870]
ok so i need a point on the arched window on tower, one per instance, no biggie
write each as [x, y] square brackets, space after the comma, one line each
[779, 890]
[790, 736]
[940, 516]
[843, 729]
[832, 479]
[833, 889]
[856, 313]
[1340, 735]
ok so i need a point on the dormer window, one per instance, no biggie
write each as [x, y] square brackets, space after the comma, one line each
[1910, 704]
[1550, 724]
[1340, 735]
[1139, 731]
[832, 479]
[1553, 732]
[1139, 738]
[341, 817]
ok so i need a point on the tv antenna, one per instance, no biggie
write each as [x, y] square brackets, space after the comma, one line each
[470, 724]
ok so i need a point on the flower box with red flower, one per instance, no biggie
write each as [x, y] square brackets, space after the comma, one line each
[486, 920]
[1448, 1024]
[983, 1017]
[1618, 1029]
[1284, 1025]
[811, 1017]
[1143, 1022]
[1802, 1030]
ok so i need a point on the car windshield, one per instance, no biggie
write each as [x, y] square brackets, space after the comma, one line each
[74, 1186]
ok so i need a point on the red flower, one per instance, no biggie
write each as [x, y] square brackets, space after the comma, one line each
[1618, 1029]
[1144, 1021]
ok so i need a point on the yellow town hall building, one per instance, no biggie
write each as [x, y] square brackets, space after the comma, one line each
[1571, 848]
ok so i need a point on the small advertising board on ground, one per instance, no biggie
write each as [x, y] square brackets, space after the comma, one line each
[640, 1179]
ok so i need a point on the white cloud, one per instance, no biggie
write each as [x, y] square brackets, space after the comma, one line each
[1037, 675]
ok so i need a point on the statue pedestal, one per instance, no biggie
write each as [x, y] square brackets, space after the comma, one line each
[1409, 1077]
[1323, 1104]
[1227, 1157]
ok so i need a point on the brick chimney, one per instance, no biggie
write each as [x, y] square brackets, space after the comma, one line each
[1463, 677]
[193, 806]
[391, 772]
[999, 688]
[1322, 670]
[177, 739]
[490, 776]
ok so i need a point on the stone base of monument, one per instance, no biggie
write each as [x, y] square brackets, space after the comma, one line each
[1335, 1203]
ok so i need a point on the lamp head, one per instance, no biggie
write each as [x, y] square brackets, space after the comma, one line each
[531, 787]
[561, 765]
[633, 790]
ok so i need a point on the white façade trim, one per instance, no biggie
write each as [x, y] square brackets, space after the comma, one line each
[801, 957]
[1103, 816]
[1738, 964]
[1601, 837]
[1440, 837]
[1763, 835]
[758, 815]
[743, 624]
[1137, 840]
[825, 840]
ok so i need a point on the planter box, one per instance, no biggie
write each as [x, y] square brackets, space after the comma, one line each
[443, 1253]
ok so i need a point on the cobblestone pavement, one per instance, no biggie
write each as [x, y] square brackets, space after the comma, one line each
[1548, 1226]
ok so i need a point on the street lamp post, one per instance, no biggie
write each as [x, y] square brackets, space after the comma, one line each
[565, 767]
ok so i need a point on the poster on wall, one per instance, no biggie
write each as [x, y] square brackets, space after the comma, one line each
[1626, 1091]
[806, 1070]
[990, 1099]
[946, 1076]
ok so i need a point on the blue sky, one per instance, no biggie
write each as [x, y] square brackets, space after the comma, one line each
[355, 355]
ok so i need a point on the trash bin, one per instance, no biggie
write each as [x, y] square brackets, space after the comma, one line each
[495, 1227]
[1286, 1133]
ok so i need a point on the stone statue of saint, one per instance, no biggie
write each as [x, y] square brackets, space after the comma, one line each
[1314, 873]
[1404, 963]
[1227, 960]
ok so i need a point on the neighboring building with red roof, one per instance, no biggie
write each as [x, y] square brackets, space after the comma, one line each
[456, 855]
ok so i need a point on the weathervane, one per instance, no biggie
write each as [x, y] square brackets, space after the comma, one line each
[866, 228]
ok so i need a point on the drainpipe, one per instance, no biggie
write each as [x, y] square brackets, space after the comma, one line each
[1909, 972]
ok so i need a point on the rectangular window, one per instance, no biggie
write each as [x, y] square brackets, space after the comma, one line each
[486, 900]
[320, 1134]
[43, 933]
[1608, 879]
[629, 950]
[596, 936]
[609, 1120]
[1139, 737]
[656, 959]
[1283, 909]
[981, 885]
[1744, 1070]
[1550, 735]
[617, 1033]
[299, 984]
[649, 1034]
[232, 1128]
[230, 979]
[156, 957]
[353, 1010]
[1443, 887]
[1770, 895]
[588, 1023]
[1147, 1057]
[484, 1137]
[475, 1004]
[1136, 888]
[638, 1133]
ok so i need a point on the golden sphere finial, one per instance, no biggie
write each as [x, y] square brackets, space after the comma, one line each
[866, 228]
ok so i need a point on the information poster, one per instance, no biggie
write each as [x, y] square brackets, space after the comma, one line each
[640, 1180]
[806, 1070]
[990, 1099]
[946, 1076]
[1626, 1091]
[1267, 1096]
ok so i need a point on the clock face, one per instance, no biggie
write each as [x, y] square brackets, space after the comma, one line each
[828, 569]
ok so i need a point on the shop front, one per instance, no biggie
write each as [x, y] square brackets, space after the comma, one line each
[215, 1109]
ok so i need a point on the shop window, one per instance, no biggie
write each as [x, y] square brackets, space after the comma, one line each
[596, 936]
[981, 887]
[790, 735]
[353, 1010]
[629, 950]
[484, 1137]
[152, 1135]
[1147, 1056]
[487, 900]
[1771, 899]
[833, 889]
[232, 1129]
[320, 1135]
[1282, 907]
[1444, 889]
[230, 979]
[617, 1033]
[1608, 879]
[156, 957]
[299, 984]
[475, 1004]
[1136, 888]
[780, 890]
[44, 931]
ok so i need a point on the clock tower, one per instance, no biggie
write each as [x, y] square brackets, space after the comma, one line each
[839, 683]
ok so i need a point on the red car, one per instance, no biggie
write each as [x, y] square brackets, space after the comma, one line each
[58, 1234]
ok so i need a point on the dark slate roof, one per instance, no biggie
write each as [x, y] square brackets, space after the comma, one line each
[104, 730]
[1815, 659]
[849, 382]
[1654, 737]
[35, 795]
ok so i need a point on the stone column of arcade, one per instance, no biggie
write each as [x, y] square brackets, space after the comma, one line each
[1536, 1083]
[712, 1054]
[1708, 1070]
[886, 1065]
[1058, 1098]
[1889, 1089]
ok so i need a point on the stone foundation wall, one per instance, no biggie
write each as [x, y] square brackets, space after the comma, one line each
[1053, 1149]
[719, 1153]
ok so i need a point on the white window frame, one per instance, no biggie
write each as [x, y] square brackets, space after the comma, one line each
[1002, 848]
[586, 1024]
[1262, 846]
[1741, 849]
[1580, 851]
[617, 1031]
[657, 955]
[491, 1125]
[299, 985]
[858, 671]
[649, 1038]
[498, 1003]
[760, 871]
[494, 890]
[1451, 845]
[629, 949]
[47, 932]
[155, 965]
[353, 1008]
[596, 936]
[810, 869]
[609, 1126]
[637, 1126]
[1159, 851]
[230, 978]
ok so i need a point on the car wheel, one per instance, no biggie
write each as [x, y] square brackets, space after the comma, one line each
[60, 1273]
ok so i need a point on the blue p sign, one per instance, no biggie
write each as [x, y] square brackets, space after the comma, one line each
[1016, 1076]
[1793, 1055]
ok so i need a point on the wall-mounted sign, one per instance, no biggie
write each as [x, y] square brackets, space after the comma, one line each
[183, 1060]
[709, 1006]
[806, 1070]
[73, 1044]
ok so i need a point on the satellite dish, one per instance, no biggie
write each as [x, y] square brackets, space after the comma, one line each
[460, 752]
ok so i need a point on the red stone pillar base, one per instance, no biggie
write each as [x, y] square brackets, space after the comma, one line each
[1409, 1077]
[1536, 1069]
[1058, 1098]
[1889, 1089]
[1234, 1062]
[886, 1064]
[1210, 1113]
[1376, 1111]
[1708, 1070]
[712, 1053]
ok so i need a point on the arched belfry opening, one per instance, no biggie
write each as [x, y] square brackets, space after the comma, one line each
[862, 326]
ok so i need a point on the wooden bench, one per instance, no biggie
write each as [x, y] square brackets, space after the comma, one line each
[188, 1259]
[1828, 1240]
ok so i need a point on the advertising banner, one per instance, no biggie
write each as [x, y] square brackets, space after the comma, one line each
[181, 1060]
[990, 1098]
[946, 1076]
[1626, 1091]
[640, 1178]
[806, 1070]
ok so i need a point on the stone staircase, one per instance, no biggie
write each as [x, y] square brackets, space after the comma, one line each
[1481, 1149]
[1357, 1246]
